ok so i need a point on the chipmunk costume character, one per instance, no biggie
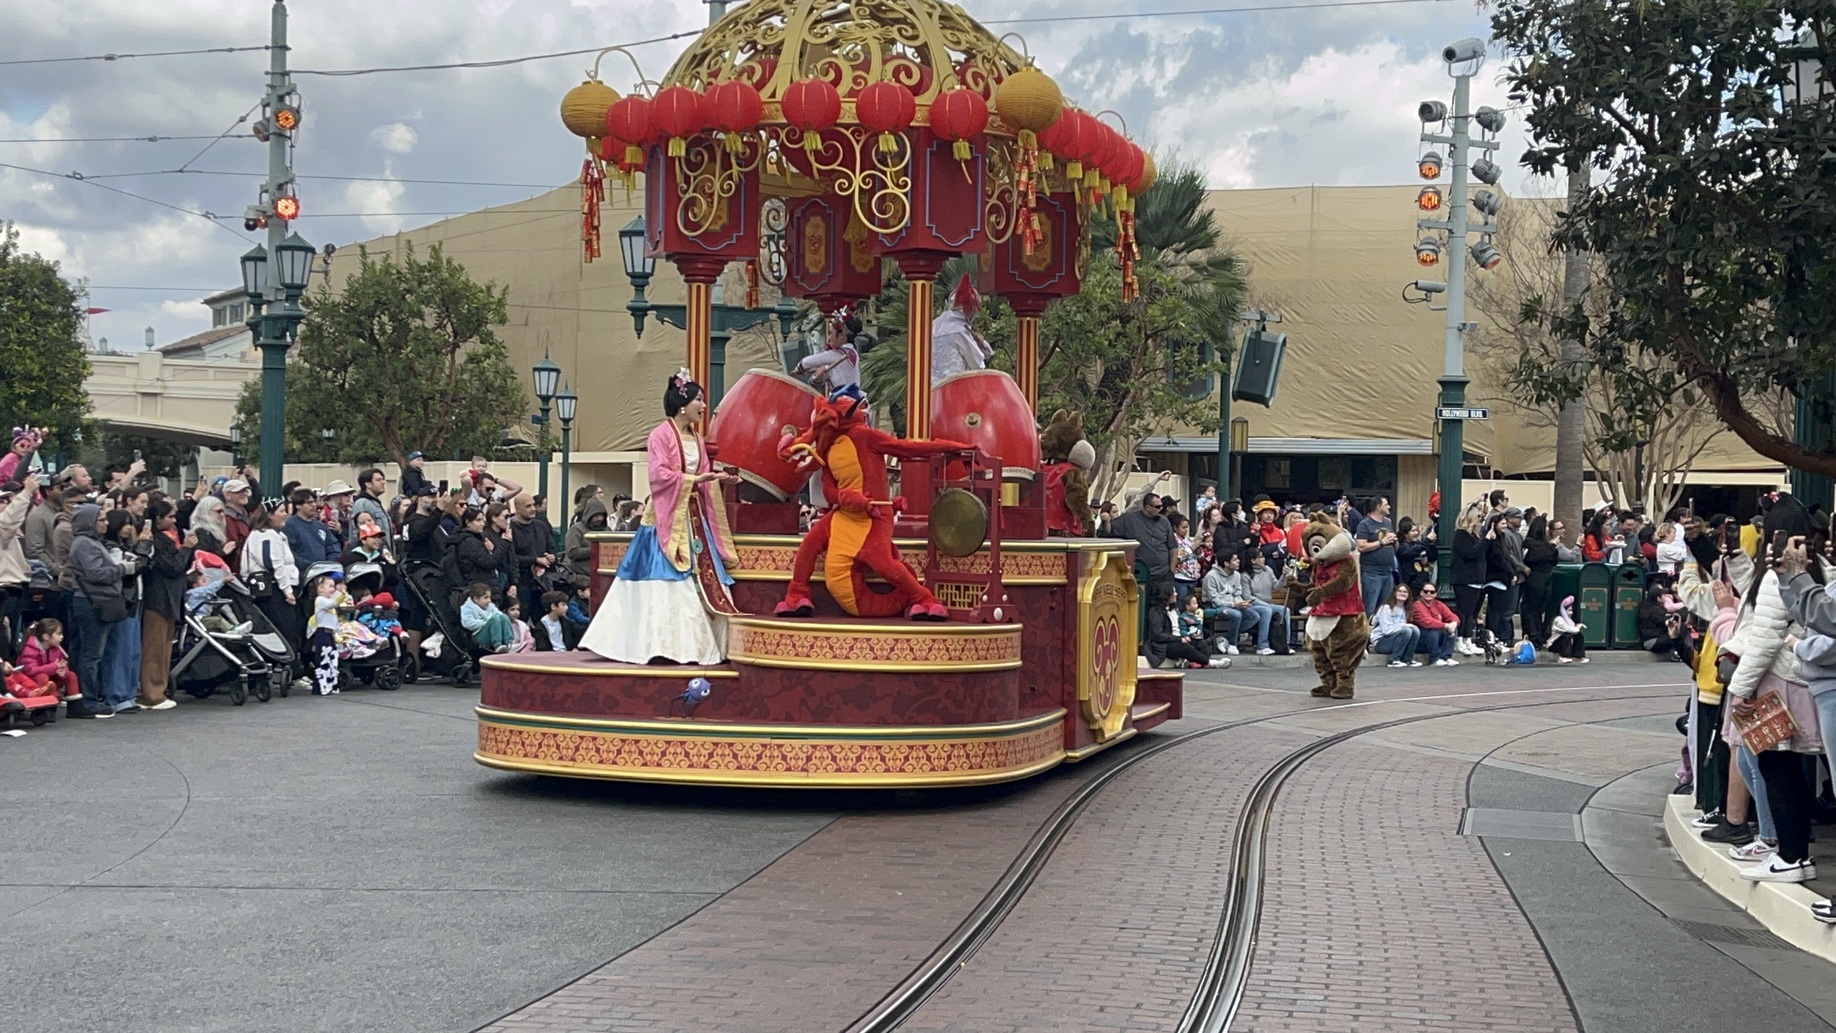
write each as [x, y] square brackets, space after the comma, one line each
[857, 534]
[1338, 632]
[1068, 461]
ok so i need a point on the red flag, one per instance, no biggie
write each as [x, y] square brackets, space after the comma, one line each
[96, 311]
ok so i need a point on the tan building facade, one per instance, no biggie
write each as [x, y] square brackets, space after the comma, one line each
[1353, 413]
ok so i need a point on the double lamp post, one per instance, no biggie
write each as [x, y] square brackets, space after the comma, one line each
[274, 285]
[562, 404]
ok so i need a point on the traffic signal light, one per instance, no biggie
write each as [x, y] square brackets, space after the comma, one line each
[287, 207]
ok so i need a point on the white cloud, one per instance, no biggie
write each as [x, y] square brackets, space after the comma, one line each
[1320, 95]
[396, 137]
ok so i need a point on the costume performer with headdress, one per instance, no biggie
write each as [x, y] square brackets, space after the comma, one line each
[856, 536]
[955, 346]
[839, 364]
[669, 601]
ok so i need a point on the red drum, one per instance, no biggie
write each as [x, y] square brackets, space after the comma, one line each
[984, 407]
[756, 411]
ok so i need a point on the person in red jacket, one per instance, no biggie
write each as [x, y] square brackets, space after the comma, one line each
[44, 661]
[1440, 627]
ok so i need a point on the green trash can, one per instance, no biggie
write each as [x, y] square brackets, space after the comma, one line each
[1628, 592]
[1564, 581]
[1594, 604]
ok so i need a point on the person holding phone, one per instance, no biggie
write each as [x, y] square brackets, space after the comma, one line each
[1756, 633]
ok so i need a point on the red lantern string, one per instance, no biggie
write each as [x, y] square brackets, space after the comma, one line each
[592, 192]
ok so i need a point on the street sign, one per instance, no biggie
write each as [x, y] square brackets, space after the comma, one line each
[1449, 413]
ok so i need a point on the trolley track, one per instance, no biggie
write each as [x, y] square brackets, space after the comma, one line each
[1220, 989]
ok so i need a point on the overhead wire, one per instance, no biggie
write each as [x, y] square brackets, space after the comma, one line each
[105, 139]
[124, 57]
[1243, 9]
[78, 177]
[220, 136]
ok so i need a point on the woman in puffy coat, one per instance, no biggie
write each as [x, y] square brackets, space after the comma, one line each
[1756, 633]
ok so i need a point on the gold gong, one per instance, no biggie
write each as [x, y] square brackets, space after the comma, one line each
[959, 522]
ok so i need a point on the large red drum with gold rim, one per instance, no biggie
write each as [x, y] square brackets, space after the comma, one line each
[757, 410]
[984, 407]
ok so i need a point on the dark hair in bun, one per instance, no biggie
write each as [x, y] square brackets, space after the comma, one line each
[678, 393]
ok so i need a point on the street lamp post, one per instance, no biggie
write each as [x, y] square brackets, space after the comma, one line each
[547, 378]
[565, 404]
[1463, 60]
[1816, 401]
[235, 437]
[1239, 447]
[274, 282]
[727, 319]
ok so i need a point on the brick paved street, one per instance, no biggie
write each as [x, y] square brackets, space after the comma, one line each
[411, 890]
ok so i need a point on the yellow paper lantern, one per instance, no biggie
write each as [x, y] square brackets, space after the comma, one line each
[583, 109]
[1028, 100]
[1148, 173]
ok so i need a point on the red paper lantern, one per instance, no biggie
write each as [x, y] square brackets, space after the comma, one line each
[681, 113]
[630, 122]
[734, 108]
[1090, 142]
[1065, 139]
[886, 108]
[958, 115]
[811, 105]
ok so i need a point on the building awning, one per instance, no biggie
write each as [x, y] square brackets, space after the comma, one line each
[1300, 446]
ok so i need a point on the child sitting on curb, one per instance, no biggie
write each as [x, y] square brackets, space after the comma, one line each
[488, 625]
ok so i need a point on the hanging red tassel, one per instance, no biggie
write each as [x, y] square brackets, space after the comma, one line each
[592, 192]
[752, 285]
[1127, 252]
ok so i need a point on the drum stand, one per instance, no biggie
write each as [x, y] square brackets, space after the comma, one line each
[954, 571]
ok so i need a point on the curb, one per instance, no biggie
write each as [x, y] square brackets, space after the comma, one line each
[1782, 907]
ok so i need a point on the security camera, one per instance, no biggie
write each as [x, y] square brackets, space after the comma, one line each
[1430, 111]
[1429, 286]
[1466, 50]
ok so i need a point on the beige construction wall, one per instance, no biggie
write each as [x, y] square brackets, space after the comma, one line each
[1332, 260]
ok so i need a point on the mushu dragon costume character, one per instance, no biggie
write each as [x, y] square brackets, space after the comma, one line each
[857, 533]
[1338, 632]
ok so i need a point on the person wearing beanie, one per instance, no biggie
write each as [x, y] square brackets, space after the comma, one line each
[1565, 635]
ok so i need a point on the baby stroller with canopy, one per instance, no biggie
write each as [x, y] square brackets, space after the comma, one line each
[378, 662]
[452, 653]
[230, 646]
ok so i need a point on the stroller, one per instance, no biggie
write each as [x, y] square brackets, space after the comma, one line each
[457, 654]
[385, 667]
[250, 657]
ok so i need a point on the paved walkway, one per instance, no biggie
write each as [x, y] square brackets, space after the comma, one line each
[342, 865]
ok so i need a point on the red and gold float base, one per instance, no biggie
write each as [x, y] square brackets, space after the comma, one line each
[838, 701]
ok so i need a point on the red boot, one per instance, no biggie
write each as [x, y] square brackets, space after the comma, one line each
[795, 606]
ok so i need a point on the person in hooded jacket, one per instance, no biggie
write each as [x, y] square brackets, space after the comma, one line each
[162, 600]
[579, 558]
[95, 609]
[132, 547]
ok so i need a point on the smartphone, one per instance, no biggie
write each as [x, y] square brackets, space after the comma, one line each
[442, 485]
[1779, 540]
[137, 455]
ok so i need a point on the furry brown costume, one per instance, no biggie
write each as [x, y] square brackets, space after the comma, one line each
[1068, 459]
[1338, 633]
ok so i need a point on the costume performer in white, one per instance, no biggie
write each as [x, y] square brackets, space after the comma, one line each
[955, 348]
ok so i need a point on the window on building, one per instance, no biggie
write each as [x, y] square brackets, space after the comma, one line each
[219, 317]
[237, 312]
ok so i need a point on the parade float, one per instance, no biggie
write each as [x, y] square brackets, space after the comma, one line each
[824, 140]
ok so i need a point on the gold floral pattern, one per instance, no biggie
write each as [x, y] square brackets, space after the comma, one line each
[704, 755]
[873, 646]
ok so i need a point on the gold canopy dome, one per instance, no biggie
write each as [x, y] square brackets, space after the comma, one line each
[923, 45]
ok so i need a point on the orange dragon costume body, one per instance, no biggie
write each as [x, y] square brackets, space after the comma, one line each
[856, 534]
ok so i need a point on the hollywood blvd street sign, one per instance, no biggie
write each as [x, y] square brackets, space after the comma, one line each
[1451, 413]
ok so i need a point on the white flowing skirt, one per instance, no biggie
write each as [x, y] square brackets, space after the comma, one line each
[641, 620]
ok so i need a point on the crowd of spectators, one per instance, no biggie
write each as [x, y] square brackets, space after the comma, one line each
[95, 575]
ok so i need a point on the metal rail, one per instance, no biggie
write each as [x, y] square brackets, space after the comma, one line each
[1220, 991]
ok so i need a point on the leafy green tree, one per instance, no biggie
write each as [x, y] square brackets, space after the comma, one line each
[1713, 218]
[42, 363]
[405, 358]
[163, 457]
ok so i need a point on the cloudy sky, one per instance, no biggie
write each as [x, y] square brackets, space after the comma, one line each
[1287, 92]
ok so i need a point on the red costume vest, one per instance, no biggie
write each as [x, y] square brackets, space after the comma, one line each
[1345, 603]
